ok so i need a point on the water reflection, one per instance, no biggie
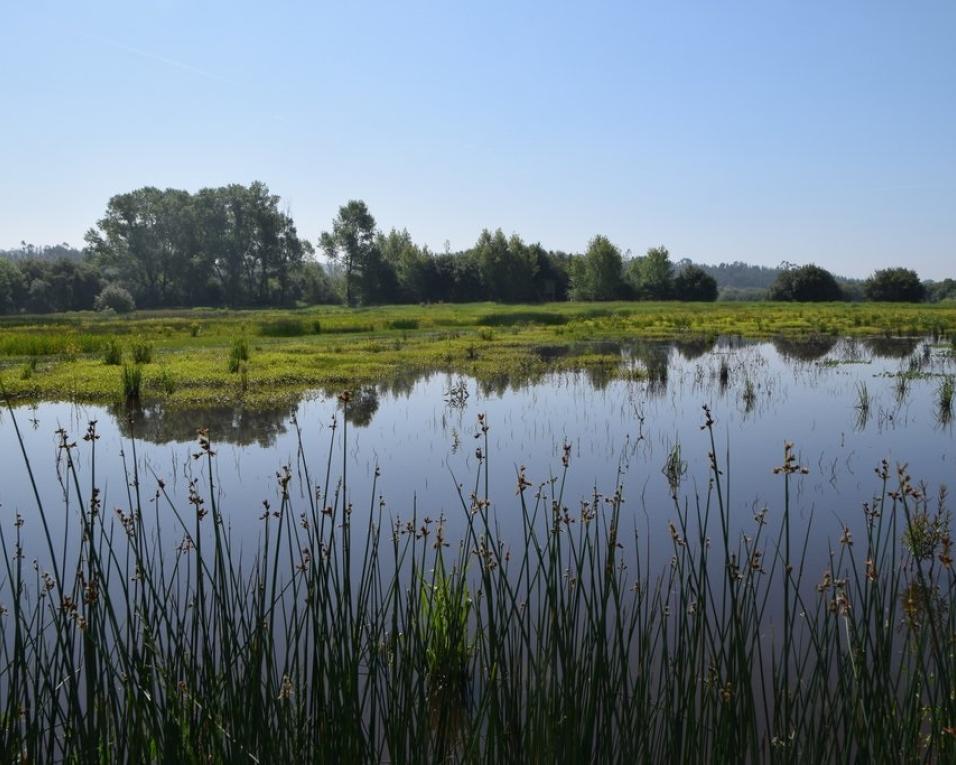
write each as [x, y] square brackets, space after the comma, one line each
[891, 347]
[809, 348]
[650, 362]
[234, 424]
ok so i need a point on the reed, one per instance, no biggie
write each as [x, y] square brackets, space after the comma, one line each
[238, 353]
[113, 352]
[141, 351]
[132, 382]
[361, 635]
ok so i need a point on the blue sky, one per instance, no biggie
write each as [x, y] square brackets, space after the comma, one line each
[766, 131]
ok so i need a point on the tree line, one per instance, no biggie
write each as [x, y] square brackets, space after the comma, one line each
[235, 246]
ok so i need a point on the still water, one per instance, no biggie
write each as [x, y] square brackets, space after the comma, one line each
[419, 435]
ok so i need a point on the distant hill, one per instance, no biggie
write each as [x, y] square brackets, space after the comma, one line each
[43, 252]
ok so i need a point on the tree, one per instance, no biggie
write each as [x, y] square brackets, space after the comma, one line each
[652, 276]
[597, 274]
[508, 266]
[351, 241]
[805, 283]
[11, 286]
[899, 285]
[693, 283]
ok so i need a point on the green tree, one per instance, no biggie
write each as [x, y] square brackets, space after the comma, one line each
[900, 285]
[11, 286]
[508, 266]
[806, 283]
[693, 283]
[652, 276]
[351, 242]
[597, 274]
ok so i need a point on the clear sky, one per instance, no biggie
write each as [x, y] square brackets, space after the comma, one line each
[763, 131]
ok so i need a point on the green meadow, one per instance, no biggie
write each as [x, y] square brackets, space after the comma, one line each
[213, 356]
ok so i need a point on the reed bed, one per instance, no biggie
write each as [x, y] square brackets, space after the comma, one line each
[356, 635]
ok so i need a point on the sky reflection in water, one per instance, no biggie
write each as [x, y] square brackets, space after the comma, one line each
[420, 432]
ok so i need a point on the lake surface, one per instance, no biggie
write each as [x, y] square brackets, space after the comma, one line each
[420, 435]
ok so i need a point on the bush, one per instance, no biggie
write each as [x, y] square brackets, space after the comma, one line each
[899, 285]
[142, 352]
[115, 297]
[113, 352]
[238, 354]
[806, 283]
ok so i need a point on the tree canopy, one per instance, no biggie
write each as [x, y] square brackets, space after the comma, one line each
[236, 246]
[899, 285]
[806, 284]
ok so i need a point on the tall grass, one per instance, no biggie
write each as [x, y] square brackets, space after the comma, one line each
[142, 351]
[358, 635]
[238, 353]
[132, 381]
[113, 352]
[944, 399]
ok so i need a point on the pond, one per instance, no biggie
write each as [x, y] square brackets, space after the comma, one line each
[845, 404]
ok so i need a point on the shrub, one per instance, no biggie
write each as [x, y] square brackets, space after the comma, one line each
[806, 283]
[115, 297]
[113, 352]
[142, 352]
[238, 354]
[900, 285]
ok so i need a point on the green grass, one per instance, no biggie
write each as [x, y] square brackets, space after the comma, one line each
[334, 347]
[370, 636]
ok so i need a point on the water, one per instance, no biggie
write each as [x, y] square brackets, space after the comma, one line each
[420, 435]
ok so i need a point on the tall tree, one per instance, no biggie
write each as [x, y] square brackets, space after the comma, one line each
[652, 276]
[597, 274]
[351, 241]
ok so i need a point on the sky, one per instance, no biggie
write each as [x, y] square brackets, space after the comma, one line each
[764, 131]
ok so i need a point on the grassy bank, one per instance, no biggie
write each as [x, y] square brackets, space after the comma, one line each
[357, 635]
[186, 356]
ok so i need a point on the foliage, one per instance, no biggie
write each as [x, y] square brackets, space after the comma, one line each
[695, 284]
[238, 354]
[806, 284]
[597, 275]
[142, 351]
[113, 353]
[228, 245]
[115, 298]
[132, 382]
[652, 276]
[352, 242]
[898, 285]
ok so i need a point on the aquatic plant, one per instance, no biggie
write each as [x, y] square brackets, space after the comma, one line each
[749, 394]
[944, 399]
[365, 635]
[238, 354]
[141, 351]
[132, 381]
[113, 352]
